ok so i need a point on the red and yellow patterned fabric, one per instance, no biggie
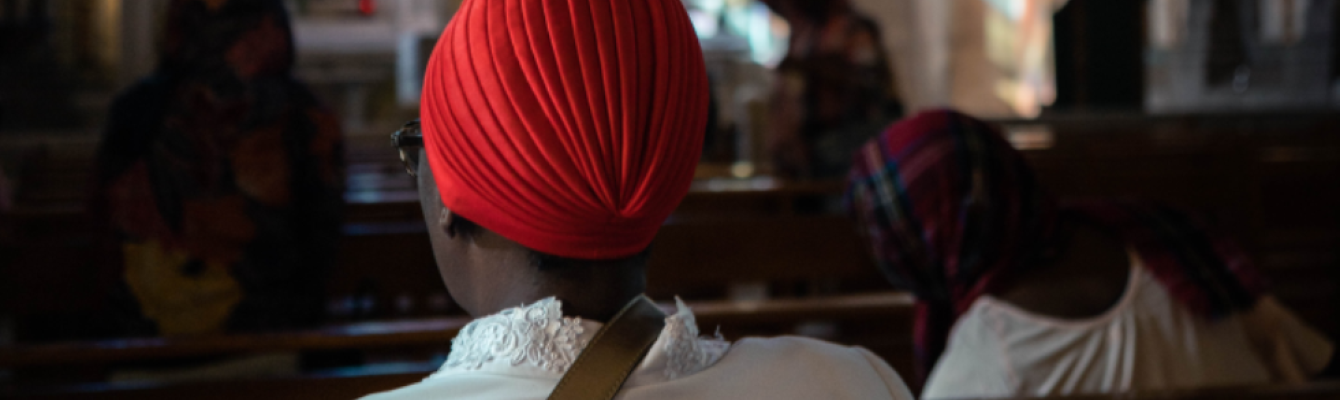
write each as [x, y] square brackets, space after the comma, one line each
[222, 178]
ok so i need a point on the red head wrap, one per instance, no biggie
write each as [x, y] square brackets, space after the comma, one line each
[569, 126]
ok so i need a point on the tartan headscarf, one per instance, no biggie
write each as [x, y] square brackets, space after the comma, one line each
[953, 211]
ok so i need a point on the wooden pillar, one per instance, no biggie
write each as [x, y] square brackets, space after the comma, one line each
[1100, 55]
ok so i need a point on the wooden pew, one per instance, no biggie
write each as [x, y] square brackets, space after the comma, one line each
[700, 258]
[384, 193]
[1263, 175]
[421, 340]
[1265, 178]
[426, 331]
[794, 258]
[1307, 391]
[354, 386]
[694, 256]
[1270, 179]
[299, 387]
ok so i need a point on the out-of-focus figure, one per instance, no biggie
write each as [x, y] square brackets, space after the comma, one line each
[1020, 296]
[222, 178]
[835, 88]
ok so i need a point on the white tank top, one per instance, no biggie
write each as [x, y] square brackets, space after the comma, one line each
[1147, 341]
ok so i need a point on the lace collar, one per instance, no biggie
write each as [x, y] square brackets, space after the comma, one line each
[538, 339]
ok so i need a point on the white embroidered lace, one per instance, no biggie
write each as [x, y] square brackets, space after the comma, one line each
[685, 351]
[539, 335]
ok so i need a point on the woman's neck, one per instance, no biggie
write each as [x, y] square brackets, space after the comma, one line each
[593, 292]
[1086, 280]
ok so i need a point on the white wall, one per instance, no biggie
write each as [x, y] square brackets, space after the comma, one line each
[940, 56]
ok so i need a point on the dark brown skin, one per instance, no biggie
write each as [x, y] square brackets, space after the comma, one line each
[1086, 280]
[486, 273]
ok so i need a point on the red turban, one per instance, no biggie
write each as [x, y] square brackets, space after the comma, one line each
[569, 126]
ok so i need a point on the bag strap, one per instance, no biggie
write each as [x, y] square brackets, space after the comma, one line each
[614, 352]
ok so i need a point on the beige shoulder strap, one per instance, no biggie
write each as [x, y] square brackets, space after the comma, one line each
[614, 352]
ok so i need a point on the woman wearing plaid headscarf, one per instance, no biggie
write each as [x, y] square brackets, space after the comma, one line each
[1020, 296]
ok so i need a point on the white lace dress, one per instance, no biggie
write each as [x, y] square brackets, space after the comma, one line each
[522, 352]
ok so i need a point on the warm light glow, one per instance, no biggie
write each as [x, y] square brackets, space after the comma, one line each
[1019, 45]
[766, 34]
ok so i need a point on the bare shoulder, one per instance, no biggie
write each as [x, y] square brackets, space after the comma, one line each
[1087, 280]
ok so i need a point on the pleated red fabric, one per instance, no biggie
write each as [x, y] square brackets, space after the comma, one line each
[569, 126]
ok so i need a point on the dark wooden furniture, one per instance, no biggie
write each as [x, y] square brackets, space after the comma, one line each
[427, 331]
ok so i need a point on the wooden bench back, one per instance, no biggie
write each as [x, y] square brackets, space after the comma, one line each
[1308, 391]
[352, 387]
[692, 258]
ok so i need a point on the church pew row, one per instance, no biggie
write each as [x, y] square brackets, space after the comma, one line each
[1273, 193]
[699, 259]
[354, 386]
[288, 388]
[48, 271]
[1270, 178]
[1271, 182]
[384, 193]
[1307, 391]
[696, 259]
[893, 306]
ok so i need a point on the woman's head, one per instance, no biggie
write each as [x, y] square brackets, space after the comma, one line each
[565, 137]
[485, 272]
[946, 200]
[241, 39]
[949, 208]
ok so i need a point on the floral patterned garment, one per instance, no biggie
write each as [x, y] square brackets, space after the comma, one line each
[221, 178]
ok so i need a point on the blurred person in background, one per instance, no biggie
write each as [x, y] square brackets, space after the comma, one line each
[1018, 296]
[835, 88]
[220, 179]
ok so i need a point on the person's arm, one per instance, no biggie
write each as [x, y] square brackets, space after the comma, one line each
[975, 365]
[1291, 349]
